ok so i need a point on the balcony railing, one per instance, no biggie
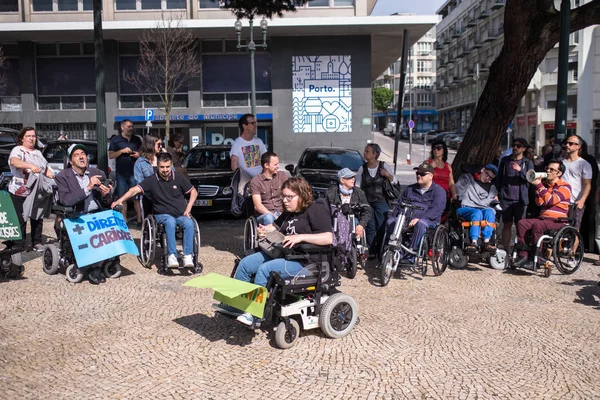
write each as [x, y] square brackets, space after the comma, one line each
[471, 22]
[484, 14]
[551, 78]
[496, 4]
[493, 34]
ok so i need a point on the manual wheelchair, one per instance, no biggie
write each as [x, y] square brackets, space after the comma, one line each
[562, 247]
[153, 234]
[310, 299]
[61, 255]
[433, 249]
[458, 228]
[350, 250]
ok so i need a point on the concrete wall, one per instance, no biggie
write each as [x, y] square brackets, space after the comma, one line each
[289, 145]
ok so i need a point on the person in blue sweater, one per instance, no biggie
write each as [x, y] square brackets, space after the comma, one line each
[426, 194]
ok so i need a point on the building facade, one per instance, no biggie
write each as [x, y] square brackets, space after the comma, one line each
[419, 93]
[313, 82]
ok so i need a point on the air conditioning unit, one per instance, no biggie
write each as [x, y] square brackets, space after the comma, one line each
[387, 86]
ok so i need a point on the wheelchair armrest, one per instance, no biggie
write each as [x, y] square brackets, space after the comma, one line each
[63, 209]
[309, 248]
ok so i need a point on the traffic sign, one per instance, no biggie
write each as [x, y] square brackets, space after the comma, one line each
[411, 124]
[149, 114]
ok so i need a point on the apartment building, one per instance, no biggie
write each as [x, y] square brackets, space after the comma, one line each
[334, 45]
[419, 93]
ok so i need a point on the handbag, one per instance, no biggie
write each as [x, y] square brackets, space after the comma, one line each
[266, 244]
[391, 191]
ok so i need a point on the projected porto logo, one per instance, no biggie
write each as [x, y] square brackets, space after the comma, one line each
[322, 94]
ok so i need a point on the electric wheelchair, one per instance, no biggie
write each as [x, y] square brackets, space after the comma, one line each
[562, 247]
[60, 255]
[458, 228]
[310, 299]
[153, 235]
[433, 249]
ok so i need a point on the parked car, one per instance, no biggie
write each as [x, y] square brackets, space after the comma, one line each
[449, 138]
[55, 152]
[320, 165]
[209, 169]
[8, 140]
[390, 129]
[456, 142]
[438, 136]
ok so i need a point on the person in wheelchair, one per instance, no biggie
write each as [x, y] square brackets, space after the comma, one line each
[167, 190]
[303, 221]
[82, 187]
[476, 193]
[553, 195]
[425, 194]
[346, 193]
[265, 189]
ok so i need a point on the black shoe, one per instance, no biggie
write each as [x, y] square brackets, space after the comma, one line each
[528, 265]
[520, 262]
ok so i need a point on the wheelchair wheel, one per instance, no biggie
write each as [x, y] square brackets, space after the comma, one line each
[112, 269]
[284, 338]
[387, 266]
[457, 259]
[338, 316]
[198, 265]
[498, 260]
[440, 250]
[250, 236]
[352, 263]
[148, 241]
[423, 257]
[74, 274]
[568, 250]
[50, 259]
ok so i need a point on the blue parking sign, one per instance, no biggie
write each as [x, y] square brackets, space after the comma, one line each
[149, 114]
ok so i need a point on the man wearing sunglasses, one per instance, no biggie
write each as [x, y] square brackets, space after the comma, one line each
[578, 174]
[476, 193]
[247, 149]
[426, 194]
[553, 195]
[513, 187]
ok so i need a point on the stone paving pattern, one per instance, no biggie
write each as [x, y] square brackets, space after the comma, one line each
[469, 334]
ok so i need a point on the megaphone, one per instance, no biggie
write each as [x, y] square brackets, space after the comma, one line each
[532, 175]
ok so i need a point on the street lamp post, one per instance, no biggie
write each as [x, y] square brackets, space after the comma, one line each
[251, 47]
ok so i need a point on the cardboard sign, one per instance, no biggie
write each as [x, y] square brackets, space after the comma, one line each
[9, 223]
[244, 296]
[100, 236]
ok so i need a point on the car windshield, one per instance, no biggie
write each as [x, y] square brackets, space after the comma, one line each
[208, 159]
[6, 138]
[57, 152]
[321, 159]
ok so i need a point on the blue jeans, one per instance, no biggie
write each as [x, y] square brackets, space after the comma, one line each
[267, 219]
[124, 183]
[418, 230]
[260, 266]
[478, 214]
[376, 225]
[188, 233]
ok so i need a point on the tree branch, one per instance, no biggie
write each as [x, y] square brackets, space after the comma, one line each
[585, 15]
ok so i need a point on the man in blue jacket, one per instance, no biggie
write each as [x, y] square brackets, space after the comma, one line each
[426, 194]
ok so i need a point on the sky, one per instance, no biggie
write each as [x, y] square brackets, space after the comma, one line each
[387, 7]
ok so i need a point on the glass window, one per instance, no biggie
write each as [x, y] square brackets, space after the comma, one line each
[221, 73]
[72, 102]
[12, 86]
[49, 103]
[129, 48]
[90, 102]
[152, 101]
[212, 46]
[10, 50]
[208, 159]
[264, 99]
[237, 99]
[11, 104]
[338, 3]
[175, 4]
[131, 101]
[151, 4]
[88, 5]
[67, 5]
[129, 64]
[88, 49]
[231, 45]
[125, 4]
[180, 101]
[9, 5]
[209, 3]
[213, 100]
[45, 49]
[318, 3]
[42, 5]
[65, 76]
[69, 49]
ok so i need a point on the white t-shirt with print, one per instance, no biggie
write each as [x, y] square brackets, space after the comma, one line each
[17, 185]
[576, 171]
[248, 154]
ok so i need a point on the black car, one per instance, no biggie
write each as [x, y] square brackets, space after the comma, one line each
[8, 140]
[209, 170]
[320, 165]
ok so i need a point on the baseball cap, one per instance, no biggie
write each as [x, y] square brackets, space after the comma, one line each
[425, 167]
[74, 147]
[346, 173]
[492, 168]
[521, 141]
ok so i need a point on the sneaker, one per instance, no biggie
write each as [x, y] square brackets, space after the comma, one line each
[188, 262]
[38, 247]
[225, 309]
[172, 261]
[520, 262]
[246, 319]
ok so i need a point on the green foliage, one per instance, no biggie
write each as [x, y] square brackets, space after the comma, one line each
[268, 8]
[382, 98]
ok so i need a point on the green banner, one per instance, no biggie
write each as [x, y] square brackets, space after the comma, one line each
[244, 296]
[9, 223]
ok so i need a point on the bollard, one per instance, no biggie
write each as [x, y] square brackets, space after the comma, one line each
[407, 158]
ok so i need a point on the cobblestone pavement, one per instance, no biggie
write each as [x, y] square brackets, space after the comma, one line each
[469, 334]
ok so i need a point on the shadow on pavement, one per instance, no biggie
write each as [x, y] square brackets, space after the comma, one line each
[219, 327]
[589, 293]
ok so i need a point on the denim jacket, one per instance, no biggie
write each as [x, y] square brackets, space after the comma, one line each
[142, 169]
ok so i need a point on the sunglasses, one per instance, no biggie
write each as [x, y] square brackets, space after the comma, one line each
[422, 173]
[517, 145]
[572, 143]
[438, 148]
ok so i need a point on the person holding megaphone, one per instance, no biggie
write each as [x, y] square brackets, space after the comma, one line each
[553, 195]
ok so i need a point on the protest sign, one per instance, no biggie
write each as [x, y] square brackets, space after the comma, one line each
[98, 237]
[9, 223]
[244, 296]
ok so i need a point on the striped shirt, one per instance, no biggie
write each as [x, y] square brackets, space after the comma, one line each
[553, 199]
